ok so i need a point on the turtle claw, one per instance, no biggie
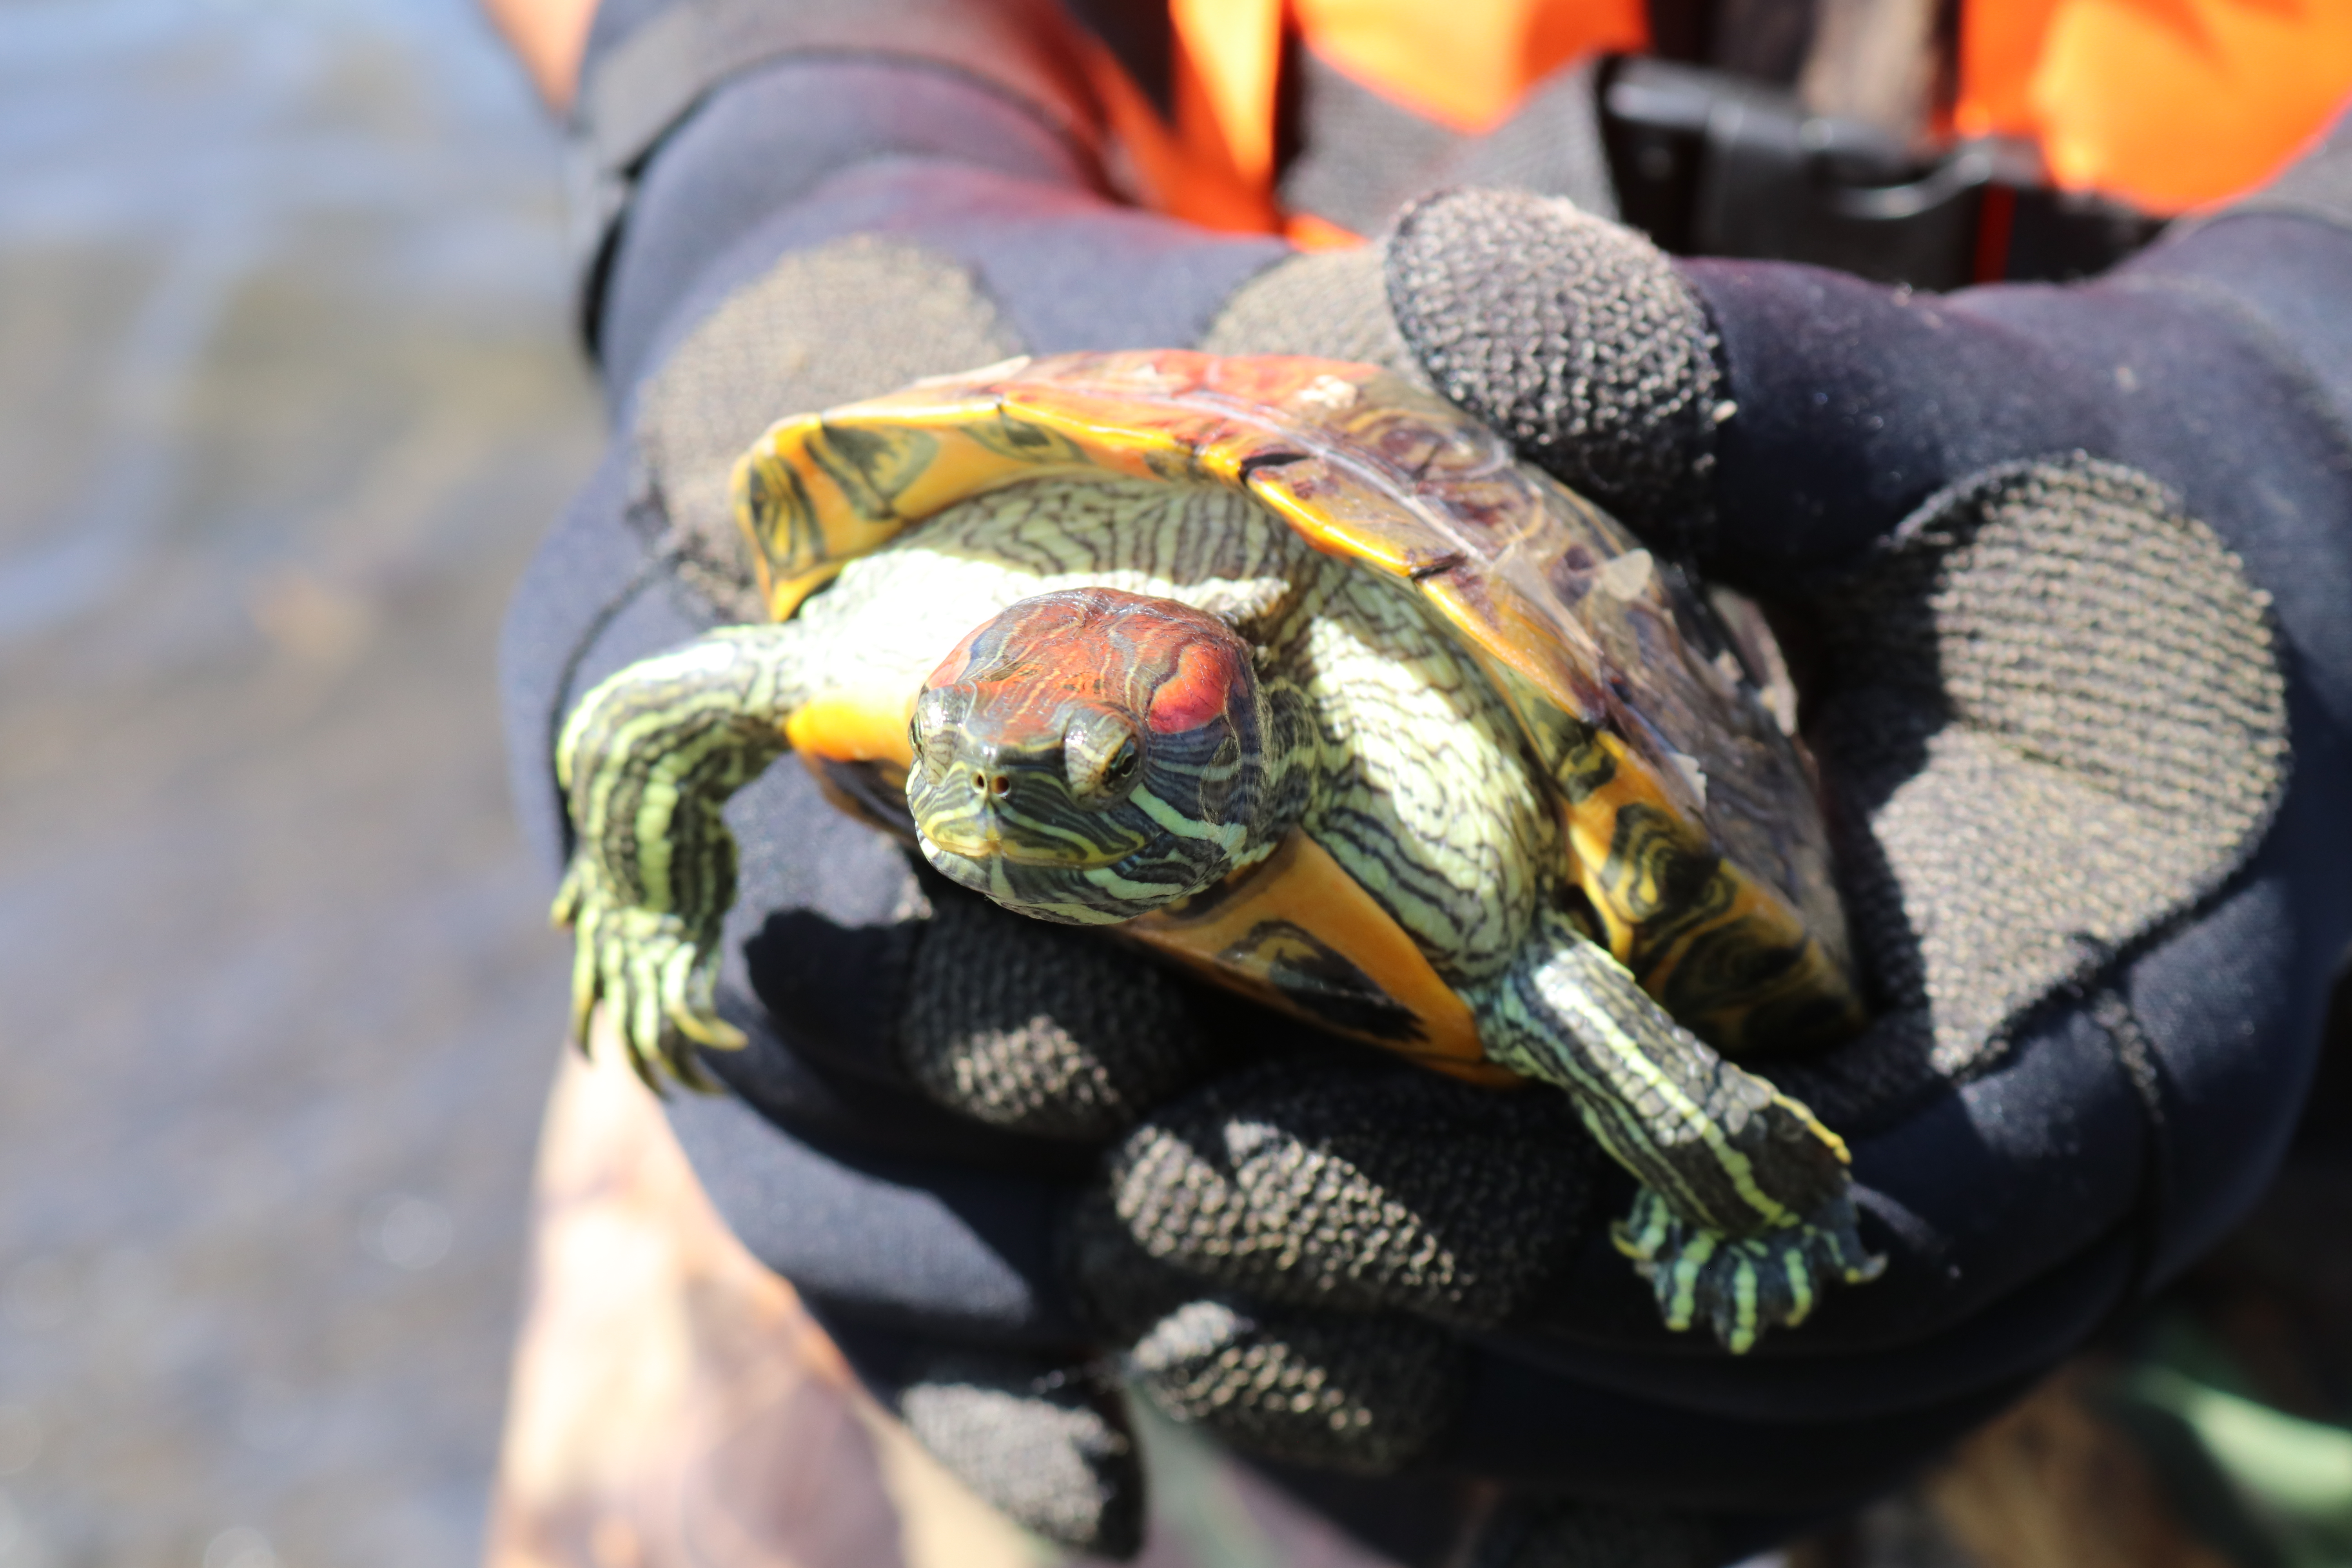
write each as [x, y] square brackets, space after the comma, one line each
[1743, 1285]
[657, 976]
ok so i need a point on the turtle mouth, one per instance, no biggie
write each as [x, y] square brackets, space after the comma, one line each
[983, 826]
[987, 840]
[1057, 890]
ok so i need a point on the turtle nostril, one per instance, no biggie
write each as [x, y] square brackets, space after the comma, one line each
[979, 782]
[1000, 784]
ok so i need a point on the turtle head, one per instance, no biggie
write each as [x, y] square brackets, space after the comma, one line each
[1090, 754]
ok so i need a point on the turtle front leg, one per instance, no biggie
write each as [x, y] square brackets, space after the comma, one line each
[646, 762]
[1746, 1211]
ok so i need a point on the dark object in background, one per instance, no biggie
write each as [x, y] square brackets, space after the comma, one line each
[1709, 163]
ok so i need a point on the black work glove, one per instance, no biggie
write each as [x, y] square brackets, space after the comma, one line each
[2012, 523]
[2011, 534]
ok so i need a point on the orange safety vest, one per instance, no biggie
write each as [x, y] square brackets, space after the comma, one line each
[2166, 104]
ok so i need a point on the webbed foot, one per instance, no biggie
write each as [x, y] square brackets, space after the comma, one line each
[656, 971]
[1743, 1285]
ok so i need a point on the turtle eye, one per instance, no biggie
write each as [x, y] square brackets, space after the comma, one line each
[1101, 759]
[937, 712]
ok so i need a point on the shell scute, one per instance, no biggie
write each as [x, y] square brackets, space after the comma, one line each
[872, 468]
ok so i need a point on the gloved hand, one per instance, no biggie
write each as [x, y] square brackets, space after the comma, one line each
[2014, 527]
[2010, 532]
[2009, 524]
[2044, 695]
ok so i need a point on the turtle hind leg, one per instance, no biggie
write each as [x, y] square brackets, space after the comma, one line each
[1746, 1213]
[647, 760]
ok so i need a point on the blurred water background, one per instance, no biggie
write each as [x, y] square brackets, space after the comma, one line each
[285, 399]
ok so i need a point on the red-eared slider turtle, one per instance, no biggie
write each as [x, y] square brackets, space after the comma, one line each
[1292, 672]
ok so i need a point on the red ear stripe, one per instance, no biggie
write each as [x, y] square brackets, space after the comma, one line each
[1197, 690]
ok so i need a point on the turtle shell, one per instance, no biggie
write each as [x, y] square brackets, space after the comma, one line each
[1692, 829]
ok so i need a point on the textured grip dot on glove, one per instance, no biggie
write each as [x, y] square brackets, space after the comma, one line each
[1573, 336]
[2050, 666]
[1347, 1391]
[1041, 1030]
[1331, 1390]
[1048, 1445]
[1331, 304]
[1363, 1186]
